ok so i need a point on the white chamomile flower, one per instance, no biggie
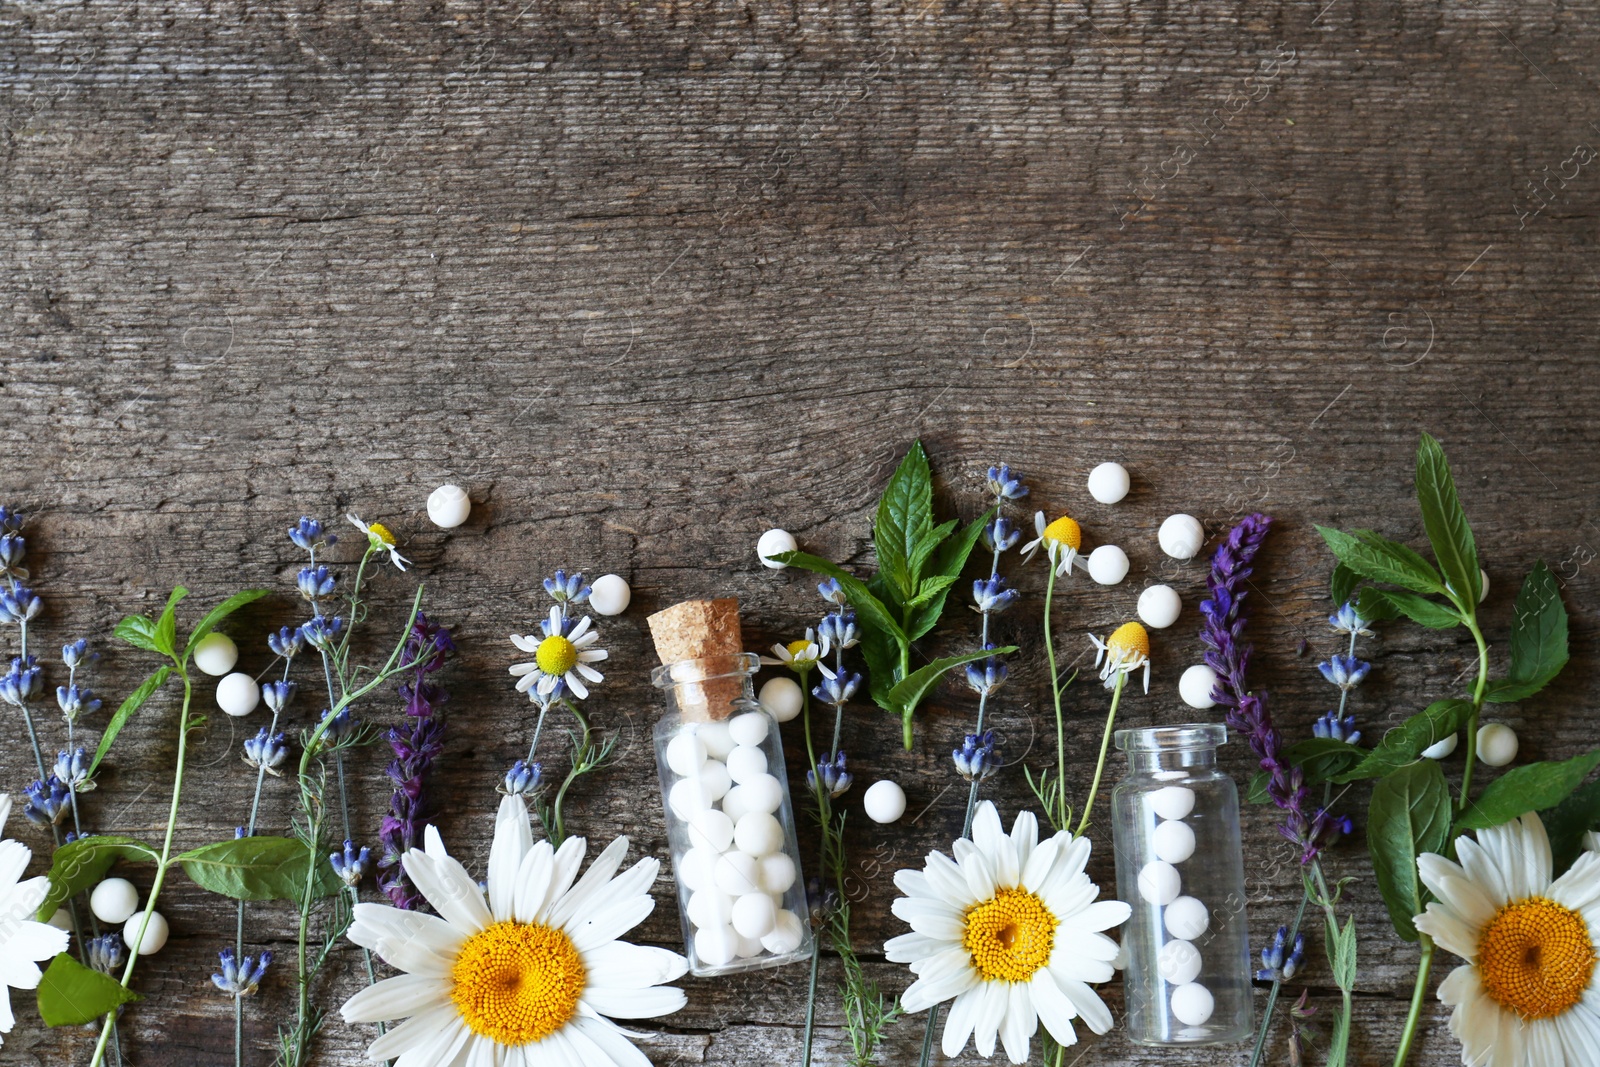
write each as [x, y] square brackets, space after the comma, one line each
[1011, 931]
[562, 657]
[23, 941]
[381, 540]
[1125, 651]
[1528, 995]
[802, 655]
[1060, 540]
[529, 978]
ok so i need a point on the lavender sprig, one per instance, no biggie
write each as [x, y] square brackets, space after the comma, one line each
[416, 743]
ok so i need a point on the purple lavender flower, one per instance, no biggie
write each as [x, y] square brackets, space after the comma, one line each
[416, 743]
[1228, 654]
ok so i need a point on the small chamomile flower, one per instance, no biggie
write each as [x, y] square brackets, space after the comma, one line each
[563, 656]
[1125, 651]
[802, 655]
[1061, 541]
[380, 540]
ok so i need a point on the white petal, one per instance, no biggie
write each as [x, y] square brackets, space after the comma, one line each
[588, 672]
[33, 940]
[1055, 1010]
[438, 1029]
[913, 883]
[7, 1019]
[991, 1013]
[482, 1052]
[1072, 858]
[909, 948]
[1102, 915]
[575, 684]
[1445, 927]
[648, 1003]
[1024, 836]
[946, 880]
[513, 836]
[623, 966]
[987, 833]
[1460, 986]
[926, 992]
[533, 882]
[618, 907]
[1481, 868]
[1090, 1007]
[567, 861]
[580, 629]
[409, 940]
[593, 655]
[1086, 943]
[5, 811]
[599, 873]
[1579, 1030]
[447, 886]
[1579, 888]
[958, 1026]
[19, 973]
[1020, 1022]
[608, 1039]
[14, 857]
[1041, 860]
[975, 869]
[396, 998]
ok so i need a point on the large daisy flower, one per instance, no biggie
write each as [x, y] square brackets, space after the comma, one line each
[1061, 540]
[381, 540]
[1011, 930]
[526, 978]
[562, 656]
[22, 940]
[1527, 995]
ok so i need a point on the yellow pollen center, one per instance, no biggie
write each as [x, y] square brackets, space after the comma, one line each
[1536, 958]
[517, 982]
[800, 651]
[381, 532]
[556, 655]
[1129, 637]
[1010, 936]
[1065, 530]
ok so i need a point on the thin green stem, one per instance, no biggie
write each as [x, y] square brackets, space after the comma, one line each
[816, 941]
[1330, 921]
[1419, 997]
[1272, 994]
[1477, 706]
[1105, 746]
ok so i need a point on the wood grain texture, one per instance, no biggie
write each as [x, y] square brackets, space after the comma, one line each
[651, 278]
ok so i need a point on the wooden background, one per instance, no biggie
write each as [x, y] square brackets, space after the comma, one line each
[650, 278]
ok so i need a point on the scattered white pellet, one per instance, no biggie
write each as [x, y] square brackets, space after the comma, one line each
[155, 933]
[1497, 744]
[884, 802]
[1181, 536]
[1159, 606]
[113, 900]
[237, 694]
[610, 595]
[773, 543]
[1196, 685]
[449, 506]
[216, 654]
[1108, 483]
[1108, 565]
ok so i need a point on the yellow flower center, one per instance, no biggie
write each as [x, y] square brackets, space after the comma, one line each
[1066, 531]
[381, 532]
[556, 655]
[1129, 639]
[1536, 958]
[801, 653]
[517, 982]
[1010, 936]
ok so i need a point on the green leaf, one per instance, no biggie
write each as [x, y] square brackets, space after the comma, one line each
[910, 691]
[139, 631]
[120, 718]
[905, 514]
[220, 612]
[1379, 560]
[1404, 744]
[929, 545]
[868, 608]
[1446, 523]
[71, 994]
[258, 868]
[1568, 821]
[1342, 952]
[1342, 584]
[952, 558]
[883, 663]
[1531, 787]
[1410, 815]
[931, 587]
[1538, 639]
[1257, 791]
[166, 632]
[80, 864]
[1323, 758]
[1387, 603]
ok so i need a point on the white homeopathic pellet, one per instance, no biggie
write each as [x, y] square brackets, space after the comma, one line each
[1186, 918]
[1497, 744]
[697, 868]
[737, 874]
[748, 729]
[449, 506]
[1441, 749]
[715, 779]
[237, 694]
[61, 920]
[1160, 883]
[710, 907]
[716, 738]
[1173, 840]
[734, 806]
[216, 654]
[787, 933]
[1172, 802]
[884, 802]
[1181, 536]
[687, 796]
[155, 933]
[1108, 565]
[113, 900]
[1178, 962]
[686, 753]
[754, 915]
[1159, 606]
[1108, 483]
[774, 543]
[776, 873]
[745, 762]
[1196, 685]
[609, 594]
[781, 697]
[1192, 1004]
[710, 829]
[715, 945]
[758, 834]
[763, 792]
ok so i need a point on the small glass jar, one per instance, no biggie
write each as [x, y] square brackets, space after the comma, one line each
[1180, 867]
[730, 824]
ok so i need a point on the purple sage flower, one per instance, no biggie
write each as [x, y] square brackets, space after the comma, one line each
[416, 743]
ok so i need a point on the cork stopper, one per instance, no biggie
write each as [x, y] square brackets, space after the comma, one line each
[698, 642]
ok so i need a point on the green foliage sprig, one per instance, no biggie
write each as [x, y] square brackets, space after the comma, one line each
[918, 561]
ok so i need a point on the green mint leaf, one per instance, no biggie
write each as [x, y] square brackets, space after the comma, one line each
[1418, 609]
[952, 558]
[1324, 758]
[166, 632]
[1446, 523]
[931, 587]
[1342, 584]
[1568, 821]
[914, 687]
[1379, 560]
[258, 868]
[1257, 793]
[928, 546]
[1531, 787]
[905, 515]
[120, 718]
[220, 612]
[1404, 744]
[1409, 815]
[80, 865]
[71, 994]
[1538, 639]
[883, 662]
[868, 608]
[1342, 952]
[138, 631]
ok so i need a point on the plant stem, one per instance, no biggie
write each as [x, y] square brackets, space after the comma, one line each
[1419, 997]
[1105, 745]
[1330, 919]
[1477, 706]
[161, 868]
[1272, 994]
